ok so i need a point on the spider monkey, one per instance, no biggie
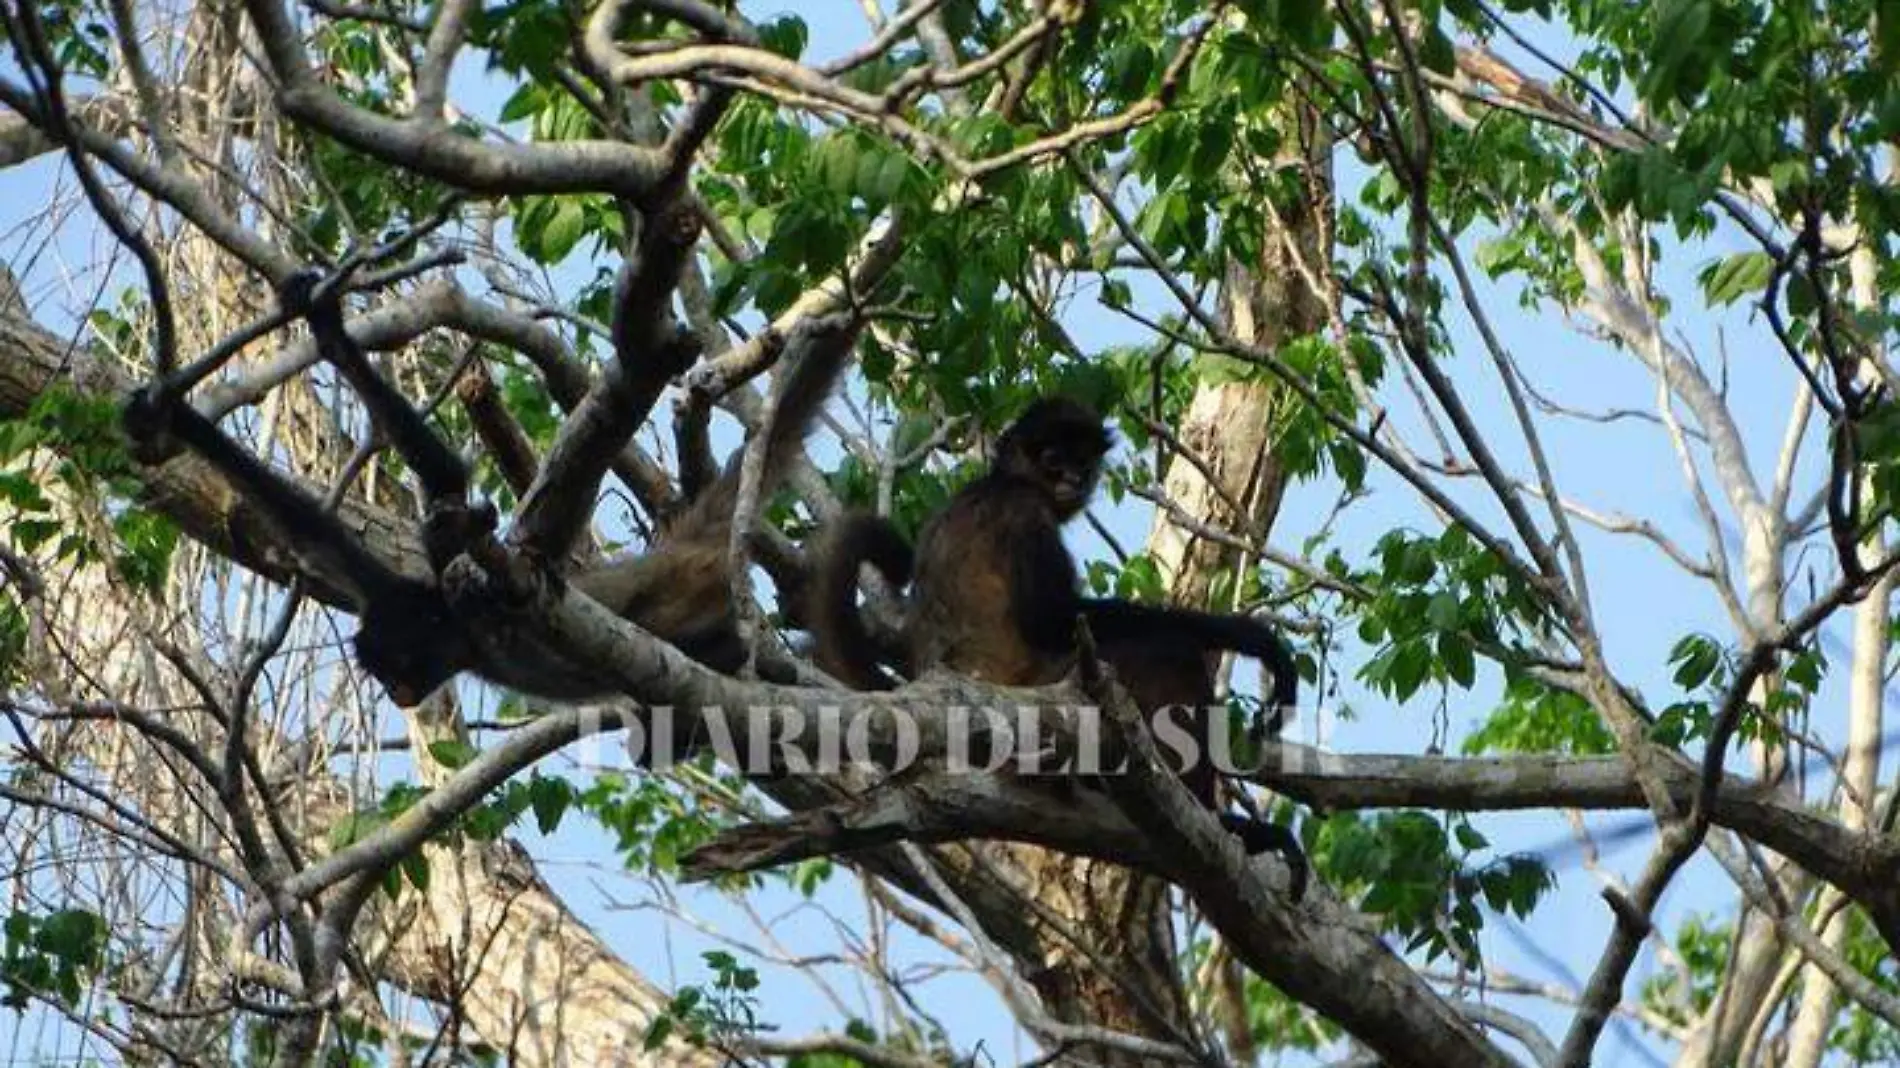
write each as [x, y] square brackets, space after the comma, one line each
[993, 595]
[409, 638]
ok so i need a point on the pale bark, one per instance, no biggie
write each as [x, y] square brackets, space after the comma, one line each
[1860, 764]
[489, 943]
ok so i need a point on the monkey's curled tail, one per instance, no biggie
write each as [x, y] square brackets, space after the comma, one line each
[1111, 619]
[846, 650]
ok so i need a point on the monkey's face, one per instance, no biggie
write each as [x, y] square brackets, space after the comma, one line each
[1057, 444]
[1069, 476]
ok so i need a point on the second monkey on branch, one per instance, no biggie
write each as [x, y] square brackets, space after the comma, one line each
[410, 638]
[994, 595]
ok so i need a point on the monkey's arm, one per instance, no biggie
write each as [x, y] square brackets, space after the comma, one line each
[1042, 594]
[1112, 619]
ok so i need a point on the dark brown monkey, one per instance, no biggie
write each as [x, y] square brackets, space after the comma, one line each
[409, 638]
[994, 595]
[680, 590]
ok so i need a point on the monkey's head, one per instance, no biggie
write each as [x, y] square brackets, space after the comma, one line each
[1058, 444]
[410, 645]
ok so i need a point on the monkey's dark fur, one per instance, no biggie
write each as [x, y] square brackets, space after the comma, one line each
[680, 590]
[409, 638]
[994, 595]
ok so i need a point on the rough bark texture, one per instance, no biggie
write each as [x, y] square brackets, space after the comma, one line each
[491, 940]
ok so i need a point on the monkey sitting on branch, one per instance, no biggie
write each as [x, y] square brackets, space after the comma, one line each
[411, 639]
[993, 595]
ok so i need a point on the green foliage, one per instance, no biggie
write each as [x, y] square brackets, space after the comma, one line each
[452, 753]
[83, 429]
[1699, 662]
[1412, 879]
[79, 40]
[1877, 444]
[530, 405]
[412, 867]
[1862, 1036]
[1439, 601]
[1728, 92]
[362, 823]
[523, 37]
[80, 438]
[1704, 667]
[653, 822]
[1730, 279]
[703, 1015]
[549, 797]
[1138, 579]
[50, 955]
[1682, 995]
[13, 635]
[1278, 1022]
[548, 229]
[361, 198]
[1535, 718]
[145, 541]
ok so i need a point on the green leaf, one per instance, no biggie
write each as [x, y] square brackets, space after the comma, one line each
[415, 867]
[809, 875]
[452, 753]
[563, 230]
[550, 799]
[1459, 662]
[837, 163]
[30, 534]
[1497, 255]
[487, 823]
[1730, 279]
[1696, 657]
[527, 101]
[354, 828]
[880, 175]
[785, 35]
[1349, 462]
[1680, 25]
[1411, 665]
[1129, 67]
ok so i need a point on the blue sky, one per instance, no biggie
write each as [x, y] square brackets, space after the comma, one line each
[1644, 602]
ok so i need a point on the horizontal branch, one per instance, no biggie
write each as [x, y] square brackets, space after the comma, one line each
[1055, 813]
[1864, 867]
[439, 151]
